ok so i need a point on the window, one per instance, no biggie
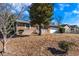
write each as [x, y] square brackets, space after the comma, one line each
[27, 25]
[21, 24]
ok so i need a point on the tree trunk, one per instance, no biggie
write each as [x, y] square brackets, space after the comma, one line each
[39, 30]
[4, 44]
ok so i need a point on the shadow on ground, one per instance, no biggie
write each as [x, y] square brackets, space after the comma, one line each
[20, 36]
[57, 52]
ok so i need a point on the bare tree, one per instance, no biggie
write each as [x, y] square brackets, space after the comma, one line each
[7, 23]
[58, 20]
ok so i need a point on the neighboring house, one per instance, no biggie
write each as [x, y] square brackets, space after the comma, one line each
[22, 27]
[74, 29]
[67, 28]
[71, 28]
[53, 29]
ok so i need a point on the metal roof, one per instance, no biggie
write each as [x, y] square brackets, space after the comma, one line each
[22, 21]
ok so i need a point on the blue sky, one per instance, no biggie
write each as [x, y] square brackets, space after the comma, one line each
[68, 11]
[17, 7]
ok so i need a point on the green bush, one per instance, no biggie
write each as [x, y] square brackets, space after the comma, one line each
[61, 30]
[65, 45]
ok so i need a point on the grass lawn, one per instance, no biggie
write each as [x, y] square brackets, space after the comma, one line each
[38, 45]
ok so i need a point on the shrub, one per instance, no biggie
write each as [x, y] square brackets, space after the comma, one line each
[20, 31]
[66, 46]
[61, 30]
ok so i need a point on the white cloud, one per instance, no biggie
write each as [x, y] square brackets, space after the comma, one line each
[67, 5]
[18, 6]
[68, 13]
[28, 4]
[61, 8]
[21, 4]
[61, 5]
[75, 11]
[13, 11]
[26, 13]
[64, 5]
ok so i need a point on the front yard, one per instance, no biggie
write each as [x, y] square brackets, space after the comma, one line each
[38, 45]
